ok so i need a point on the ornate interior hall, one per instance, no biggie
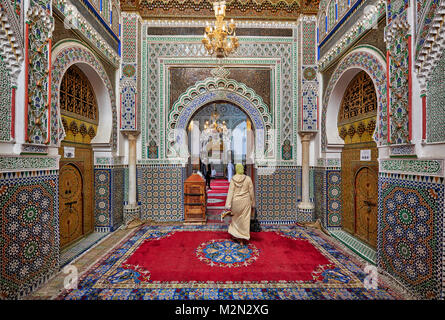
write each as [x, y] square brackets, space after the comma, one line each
[122, 122]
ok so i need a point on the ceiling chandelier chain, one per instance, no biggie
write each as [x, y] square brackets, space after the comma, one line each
[220, 38]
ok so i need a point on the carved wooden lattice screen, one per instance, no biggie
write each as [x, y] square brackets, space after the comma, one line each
[77, 96]
[359, 101]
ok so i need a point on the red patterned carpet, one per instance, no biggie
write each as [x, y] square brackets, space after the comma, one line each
[201, 263]
[212, 256]
[179, 262]
[216, 197]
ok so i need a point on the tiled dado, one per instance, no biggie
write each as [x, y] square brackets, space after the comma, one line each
[29, 230]
[276, 194]
[109, 197]
[362, 249]
[160, 192]
[410, 231]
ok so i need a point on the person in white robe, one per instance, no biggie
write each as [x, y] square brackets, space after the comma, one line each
[230, 169]
[240, 201]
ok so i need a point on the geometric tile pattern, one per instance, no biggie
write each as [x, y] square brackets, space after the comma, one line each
[309, 32]
[410, 231]
[360, 248]
[276, 195]
[333, 198]
[204, 92]
[118, 176]
[308, 77]
[29, 232]
[108, 197]
[359, 22]
[320, 195]
[310, 107]
[129, 72]
[129, 38]
[435, 98]
[102, 187]
[128, 108]
[398, 41]
[5, 102]
[160, 192]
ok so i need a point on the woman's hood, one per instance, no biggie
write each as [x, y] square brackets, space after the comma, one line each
[238, 180]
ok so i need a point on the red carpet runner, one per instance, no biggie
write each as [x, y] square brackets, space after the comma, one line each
[212, 256]
[216, 199]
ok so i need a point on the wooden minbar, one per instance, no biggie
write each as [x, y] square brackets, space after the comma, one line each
[195, 200]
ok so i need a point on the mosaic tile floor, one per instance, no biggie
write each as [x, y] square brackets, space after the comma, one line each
[75, 250]
[347, 284]
[360, 248]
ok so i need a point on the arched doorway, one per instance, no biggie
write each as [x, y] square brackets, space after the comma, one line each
[80, 118]
[356, 125]
[218, 133]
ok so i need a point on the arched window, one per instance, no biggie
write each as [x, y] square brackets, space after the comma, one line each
[77, 98]
[359, 101]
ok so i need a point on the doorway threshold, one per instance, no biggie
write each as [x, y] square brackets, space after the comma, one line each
[78, 248]
[359, 247]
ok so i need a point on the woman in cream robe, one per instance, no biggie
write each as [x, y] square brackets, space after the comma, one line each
[240, 200]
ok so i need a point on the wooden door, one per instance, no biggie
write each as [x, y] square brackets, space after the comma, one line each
[365, 196]
[70, 204]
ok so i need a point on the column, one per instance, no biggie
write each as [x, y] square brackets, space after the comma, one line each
[131, 210]
[305, 209]
[132, 171]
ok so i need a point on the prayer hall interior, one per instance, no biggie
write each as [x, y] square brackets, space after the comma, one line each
[123, 124]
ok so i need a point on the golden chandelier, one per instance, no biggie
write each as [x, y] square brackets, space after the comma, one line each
[221, 38]
[213, 124]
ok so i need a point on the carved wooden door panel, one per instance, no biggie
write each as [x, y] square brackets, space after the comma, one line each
[366, 194]
[70, 204]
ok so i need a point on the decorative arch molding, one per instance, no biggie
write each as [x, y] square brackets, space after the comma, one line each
[370, 60]
[11, 45]
[215, 89]
[64, 56]
[430, 39]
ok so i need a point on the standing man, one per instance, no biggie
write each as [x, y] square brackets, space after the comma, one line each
[230, 169]
[208, 174]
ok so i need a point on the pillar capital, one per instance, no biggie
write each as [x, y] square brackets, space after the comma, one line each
[306, 136]
[131, 135]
